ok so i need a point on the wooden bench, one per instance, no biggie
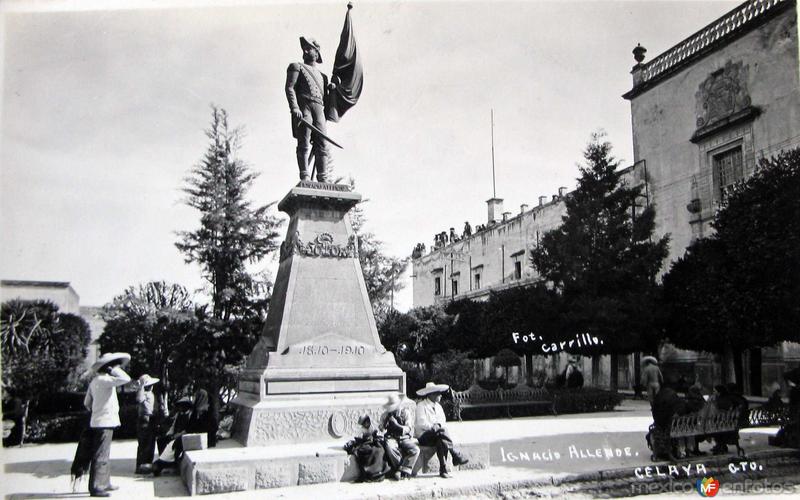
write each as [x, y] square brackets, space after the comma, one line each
[477, 397]
[713, 424]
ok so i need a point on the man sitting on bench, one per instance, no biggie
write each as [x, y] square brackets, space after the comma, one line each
[429, 426]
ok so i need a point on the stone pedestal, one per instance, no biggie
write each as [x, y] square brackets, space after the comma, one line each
[319, 364]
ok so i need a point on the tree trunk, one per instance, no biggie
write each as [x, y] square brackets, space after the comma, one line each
[637, 375]
[213, 402]
[614, 375]
[24, 422]
[529, 370]
[737, 370]
[728, 370]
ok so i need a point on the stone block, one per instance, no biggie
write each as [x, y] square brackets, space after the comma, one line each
[318, 471]
[478, 455]
[221, 480]
[194, 442]
[274, 475]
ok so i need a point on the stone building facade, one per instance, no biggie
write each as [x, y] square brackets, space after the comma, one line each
[703, 113]
[492, 258]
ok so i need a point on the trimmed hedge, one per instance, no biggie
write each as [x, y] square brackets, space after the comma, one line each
[585, 400]
[67, 426]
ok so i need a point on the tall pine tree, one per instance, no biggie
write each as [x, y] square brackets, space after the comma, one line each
[232, 234]
[603, 260]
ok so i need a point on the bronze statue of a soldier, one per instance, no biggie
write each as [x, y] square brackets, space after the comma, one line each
[306, 90]
[312, 100]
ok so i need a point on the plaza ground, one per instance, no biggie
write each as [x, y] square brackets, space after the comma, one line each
[522, 453]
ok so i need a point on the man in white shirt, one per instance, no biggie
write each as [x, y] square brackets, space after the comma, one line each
[101, 400]
[429, 426]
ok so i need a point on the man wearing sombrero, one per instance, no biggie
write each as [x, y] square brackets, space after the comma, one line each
[429, 426]
[145, 425]
[101, 400]
[652, 380]
[401, 450]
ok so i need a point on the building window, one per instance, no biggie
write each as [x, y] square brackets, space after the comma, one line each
[454, 284]
[437, 285]
[728, 170]
[517, 270]
[477, 281]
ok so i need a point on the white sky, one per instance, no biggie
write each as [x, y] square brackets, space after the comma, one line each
[103, 114]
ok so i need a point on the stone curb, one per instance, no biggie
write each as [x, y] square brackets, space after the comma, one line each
[615, 483]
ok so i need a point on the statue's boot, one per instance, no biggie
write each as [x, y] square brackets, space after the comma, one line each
[322, 162]
[302, 163]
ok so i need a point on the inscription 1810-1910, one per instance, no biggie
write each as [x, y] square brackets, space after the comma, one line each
[324, 350]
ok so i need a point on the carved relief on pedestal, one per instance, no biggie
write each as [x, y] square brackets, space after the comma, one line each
[321, 246]
[287, 425]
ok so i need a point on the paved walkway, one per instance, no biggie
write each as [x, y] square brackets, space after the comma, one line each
[528, 450]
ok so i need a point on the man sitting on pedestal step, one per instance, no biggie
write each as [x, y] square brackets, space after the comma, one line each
[429, 426]
[369, 451]
[401, 450]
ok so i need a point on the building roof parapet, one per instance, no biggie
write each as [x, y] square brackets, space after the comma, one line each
[449, 249]
[733, 24]
[43, 284]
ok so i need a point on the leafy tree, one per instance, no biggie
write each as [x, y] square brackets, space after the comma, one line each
[418, 334]
[42, 349]
[381, 272]
[151, 322]
[603, 260]
[738, 288]
[232, 234]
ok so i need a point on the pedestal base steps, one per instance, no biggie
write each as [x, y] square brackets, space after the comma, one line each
[238, 468]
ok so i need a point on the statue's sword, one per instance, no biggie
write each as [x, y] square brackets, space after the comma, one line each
[319, 132]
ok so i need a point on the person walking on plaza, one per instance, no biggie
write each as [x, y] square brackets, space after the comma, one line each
[652, 380]
[401, 450]
[94, 446]
[429, 426]
[145, 424]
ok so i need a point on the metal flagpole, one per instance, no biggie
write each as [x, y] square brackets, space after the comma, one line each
[494, 193]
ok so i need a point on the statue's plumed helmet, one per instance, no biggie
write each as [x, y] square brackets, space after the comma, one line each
[307, 41]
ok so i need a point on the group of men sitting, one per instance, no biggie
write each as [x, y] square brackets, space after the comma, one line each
[391, 446]
[667, 405]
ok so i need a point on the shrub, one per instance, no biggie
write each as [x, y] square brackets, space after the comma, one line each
[60, 402]
[584, 400]
[454, 369]
[415, 378]
[65, 427]
[56, 428]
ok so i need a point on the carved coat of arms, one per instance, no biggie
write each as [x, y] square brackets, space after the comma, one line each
[722, 94]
